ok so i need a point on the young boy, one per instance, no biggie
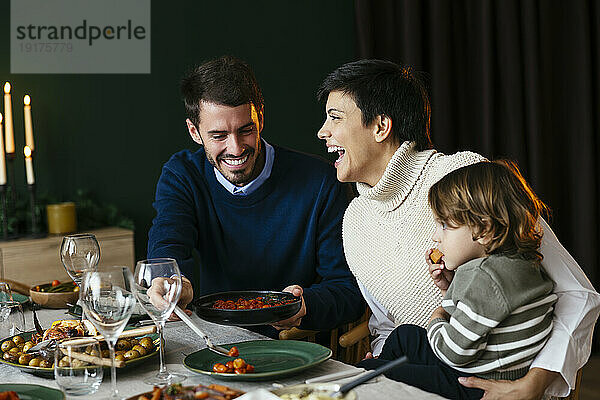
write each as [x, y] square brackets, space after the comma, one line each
[497, 311]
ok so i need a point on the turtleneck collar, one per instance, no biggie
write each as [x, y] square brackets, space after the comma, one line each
[398, 179]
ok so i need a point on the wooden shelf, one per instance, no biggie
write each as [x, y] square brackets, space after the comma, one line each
[35, 261]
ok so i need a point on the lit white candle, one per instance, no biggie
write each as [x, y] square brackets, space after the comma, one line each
[8, 121]
[28, 122]
[2, 160]
[29, 165]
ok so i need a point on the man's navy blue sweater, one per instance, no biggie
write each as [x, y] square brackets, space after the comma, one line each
[286, 232]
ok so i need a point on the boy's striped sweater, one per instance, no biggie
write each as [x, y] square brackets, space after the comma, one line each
[500, 317]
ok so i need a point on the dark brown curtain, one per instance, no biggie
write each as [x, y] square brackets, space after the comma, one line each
[509, 79]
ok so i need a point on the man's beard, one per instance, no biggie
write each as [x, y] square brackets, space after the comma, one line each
[237, 178]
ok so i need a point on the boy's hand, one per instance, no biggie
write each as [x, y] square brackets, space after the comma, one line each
[440, 275]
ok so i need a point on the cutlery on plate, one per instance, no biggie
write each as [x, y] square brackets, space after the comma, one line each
[188, 321]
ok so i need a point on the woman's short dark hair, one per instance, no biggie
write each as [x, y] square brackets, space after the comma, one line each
[226, 81]
[385, 88]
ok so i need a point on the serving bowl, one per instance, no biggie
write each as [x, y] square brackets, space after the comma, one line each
[318, 390]
[53, 299]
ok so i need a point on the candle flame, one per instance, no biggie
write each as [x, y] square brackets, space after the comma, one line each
[7, 88]
[27, 152]
[27, 100]
[0, 118]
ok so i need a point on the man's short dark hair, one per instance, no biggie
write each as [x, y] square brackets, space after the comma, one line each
[385, 88]
[225, 80]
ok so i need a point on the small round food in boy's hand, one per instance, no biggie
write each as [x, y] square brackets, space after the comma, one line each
[436, 256]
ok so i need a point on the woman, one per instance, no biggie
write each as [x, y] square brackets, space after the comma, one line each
[378, 120]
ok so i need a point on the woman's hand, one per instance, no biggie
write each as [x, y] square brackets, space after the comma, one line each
[530, 387]
[440, 275]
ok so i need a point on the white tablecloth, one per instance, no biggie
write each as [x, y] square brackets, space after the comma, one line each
[180, 341]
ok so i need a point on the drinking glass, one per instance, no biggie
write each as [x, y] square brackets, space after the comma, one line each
[5, 293]
[79, 253]
[76, 366]
[157, 286]
[108, 301]
[12, 320]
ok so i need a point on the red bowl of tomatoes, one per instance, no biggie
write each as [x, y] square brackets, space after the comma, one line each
[247, 308]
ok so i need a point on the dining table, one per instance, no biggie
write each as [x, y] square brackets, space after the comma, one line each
[181, 340]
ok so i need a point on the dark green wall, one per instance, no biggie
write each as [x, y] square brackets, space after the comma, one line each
[110, 134]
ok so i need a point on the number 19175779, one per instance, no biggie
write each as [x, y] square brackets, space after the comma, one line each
[40, 47]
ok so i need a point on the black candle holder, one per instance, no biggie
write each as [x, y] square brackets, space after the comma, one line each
[4, 216]
[10, 158]
[35, 226]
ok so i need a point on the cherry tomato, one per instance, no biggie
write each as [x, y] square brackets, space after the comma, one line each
[219, 368]
[234, 352]
[55, 282]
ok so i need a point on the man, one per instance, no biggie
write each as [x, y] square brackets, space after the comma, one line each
[378, 117]
[241, 214]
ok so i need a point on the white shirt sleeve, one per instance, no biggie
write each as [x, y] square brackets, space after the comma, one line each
[381, 323]
[575, 314]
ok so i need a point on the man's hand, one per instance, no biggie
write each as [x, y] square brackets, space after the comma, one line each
[440, 275]
[187, 295]
[530, 387]
[439, 313]
[296, 319]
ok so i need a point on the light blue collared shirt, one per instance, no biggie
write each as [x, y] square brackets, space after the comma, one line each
[255, 184]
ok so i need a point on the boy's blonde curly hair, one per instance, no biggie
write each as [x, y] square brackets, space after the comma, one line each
[494, 201]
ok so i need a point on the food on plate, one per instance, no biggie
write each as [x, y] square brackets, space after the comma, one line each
[250, 304]
[237, 366]
[234, 352]
[69, 328]
[436, 256]
[310, 394]
[56, 287]
[179, 392]
[14, 350]
[10, 395]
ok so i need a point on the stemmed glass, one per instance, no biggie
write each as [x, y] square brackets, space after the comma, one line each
[157, 286]
[78, 253]
[108, 301]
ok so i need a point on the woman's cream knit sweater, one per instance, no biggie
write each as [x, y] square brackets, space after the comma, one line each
[388, 228]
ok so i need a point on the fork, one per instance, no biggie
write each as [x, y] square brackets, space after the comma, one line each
[212, 347]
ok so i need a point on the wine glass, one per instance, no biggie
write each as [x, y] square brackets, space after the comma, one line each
[5, 292]
[108, 301]
[78, 253]
[76, 370]
[12, 319]
[157, 286]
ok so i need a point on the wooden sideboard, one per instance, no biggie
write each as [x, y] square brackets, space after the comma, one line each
[35, 261]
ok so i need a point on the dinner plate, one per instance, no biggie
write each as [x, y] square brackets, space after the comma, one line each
[259, 316]
[20, 298]
[49, 372]
[32, 392]
[270, 358]
[75, 311]
[323, 389]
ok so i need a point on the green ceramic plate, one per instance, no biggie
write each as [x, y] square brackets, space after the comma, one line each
[20, 298]
[32, 392]
[270, 358]
[49, 372]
